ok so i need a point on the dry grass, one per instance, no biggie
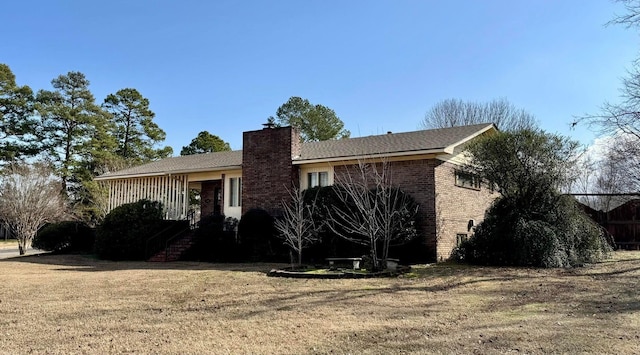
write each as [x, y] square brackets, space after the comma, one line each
[74, 304]
[8, 243]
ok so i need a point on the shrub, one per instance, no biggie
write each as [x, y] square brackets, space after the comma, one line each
[215, 241]
[330, 245]
[125, 230]
[257, 237]
[67, 236]
[404, 243]
[556, 233]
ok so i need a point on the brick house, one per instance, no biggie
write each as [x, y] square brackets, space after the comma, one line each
[423, 163]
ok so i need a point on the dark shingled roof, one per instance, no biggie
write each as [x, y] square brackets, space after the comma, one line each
[433, 139]
[436, 140]
[182, 164]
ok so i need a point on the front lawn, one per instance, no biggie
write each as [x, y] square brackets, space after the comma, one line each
[75, 304]
[8, 243]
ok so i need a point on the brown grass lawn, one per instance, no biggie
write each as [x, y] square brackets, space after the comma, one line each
[75, 304]
[8, 243]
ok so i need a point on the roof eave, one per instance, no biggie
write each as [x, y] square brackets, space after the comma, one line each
[164, 173]
[370, 156]
[472, 136]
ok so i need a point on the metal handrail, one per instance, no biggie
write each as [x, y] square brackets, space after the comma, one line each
[160, 239]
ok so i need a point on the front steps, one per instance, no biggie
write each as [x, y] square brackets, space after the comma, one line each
[176, 249]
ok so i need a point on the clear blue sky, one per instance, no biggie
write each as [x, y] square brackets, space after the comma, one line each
[225, 66]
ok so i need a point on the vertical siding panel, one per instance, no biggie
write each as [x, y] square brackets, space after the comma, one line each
[185, 194]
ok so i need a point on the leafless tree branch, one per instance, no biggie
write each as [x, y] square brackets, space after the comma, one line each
[29, 198]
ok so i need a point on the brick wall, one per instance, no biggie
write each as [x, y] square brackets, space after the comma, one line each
[445, 209]
[415, 177]
[456, 206]
[267, 170]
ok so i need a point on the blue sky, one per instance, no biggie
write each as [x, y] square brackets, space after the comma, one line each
[225, 66]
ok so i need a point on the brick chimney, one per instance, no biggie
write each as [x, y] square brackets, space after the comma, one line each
[267, 169]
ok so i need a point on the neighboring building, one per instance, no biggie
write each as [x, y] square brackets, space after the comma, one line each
[622, 223]
[423, 164]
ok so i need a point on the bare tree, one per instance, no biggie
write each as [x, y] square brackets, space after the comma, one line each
[607, 172]
[622, 119]
[374, 213]
[29, 197]
[297, 226]
[456, 112]
[619, 172]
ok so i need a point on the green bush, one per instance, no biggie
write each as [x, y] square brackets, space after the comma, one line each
[554, 233]
[67, 236]
[125, 230]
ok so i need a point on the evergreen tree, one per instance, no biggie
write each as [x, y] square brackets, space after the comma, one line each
[70, 119]
[133, 127]
[17, 124]
[315, 122]
[205, 142]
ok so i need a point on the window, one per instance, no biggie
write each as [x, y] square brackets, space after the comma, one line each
[461, 237]
[467, 180]
[235, 188]
[317, 179]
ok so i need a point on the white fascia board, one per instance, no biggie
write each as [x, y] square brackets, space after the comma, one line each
[450, 148]
[370, 156]
[164, 173]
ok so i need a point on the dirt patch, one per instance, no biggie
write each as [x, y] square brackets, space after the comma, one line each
[74, 304]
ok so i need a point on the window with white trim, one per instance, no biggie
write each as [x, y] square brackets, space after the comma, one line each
[317, 178]
[235, 189]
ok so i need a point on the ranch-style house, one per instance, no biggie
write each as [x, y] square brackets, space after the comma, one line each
[423, 163]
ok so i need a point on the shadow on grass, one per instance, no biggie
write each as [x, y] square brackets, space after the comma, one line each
[90, 263]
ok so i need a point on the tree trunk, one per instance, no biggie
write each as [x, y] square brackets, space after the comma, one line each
[21, 249]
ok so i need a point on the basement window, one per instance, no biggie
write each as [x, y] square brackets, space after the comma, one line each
[460, 238]
[467, 180]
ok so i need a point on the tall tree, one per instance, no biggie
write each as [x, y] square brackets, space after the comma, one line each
[205, 142]
[134, 129]
[456, 112]
[70, 117]
[315, 122]
[29, 198]
[17, 124]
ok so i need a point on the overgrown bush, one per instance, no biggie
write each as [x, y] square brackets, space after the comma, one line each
[125, 230]
[554, 233]
[67, 236]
